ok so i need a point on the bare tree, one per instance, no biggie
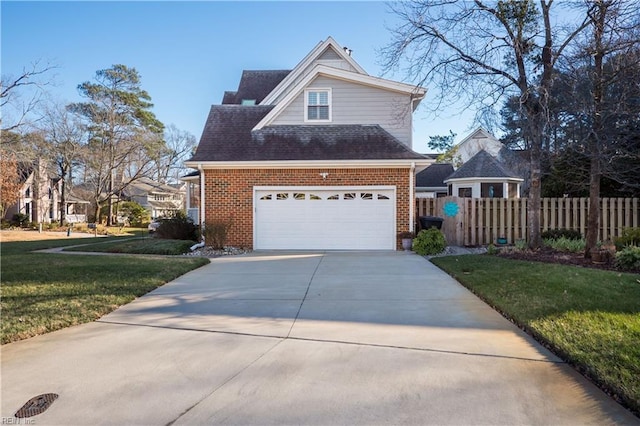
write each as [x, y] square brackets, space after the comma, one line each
[12, 91]
[483, 53]
[121, 127]
[179, 146]
[602, 78]
[65, 139]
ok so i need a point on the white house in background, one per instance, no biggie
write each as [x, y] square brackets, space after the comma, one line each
[489, 169]
[158, 198]
[476, 141]
[192, 181]
[483, 176]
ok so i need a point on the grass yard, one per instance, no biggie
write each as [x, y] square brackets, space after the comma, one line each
[43, 292]
[589, 317]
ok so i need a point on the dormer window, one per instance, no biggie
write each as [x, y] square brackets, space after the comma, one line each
[248, 102]
[318, 105]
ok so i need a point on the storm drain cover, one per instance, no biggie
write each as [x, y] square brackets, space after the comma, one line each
[36, 405]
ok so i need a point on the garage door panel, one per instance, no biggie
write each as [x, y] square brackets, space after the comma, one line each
[349, 218]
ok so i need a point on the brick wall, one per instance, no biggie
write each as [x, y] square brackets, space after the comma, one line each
[229, 192]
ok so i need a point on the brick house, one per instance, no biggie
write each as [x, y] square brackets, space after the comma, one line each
[318, 157]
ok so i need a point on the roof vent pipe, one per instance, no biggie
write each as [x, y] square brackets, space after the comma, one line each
[347, 50]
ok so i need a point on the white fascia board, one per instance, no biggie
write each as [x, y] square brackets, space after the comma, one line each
[416, 92]
[483, 179]
[309, 164]
[480, 130]
[306, 61]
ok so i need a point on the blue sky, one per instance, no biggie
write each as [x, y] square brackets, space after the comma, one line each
[189, 53]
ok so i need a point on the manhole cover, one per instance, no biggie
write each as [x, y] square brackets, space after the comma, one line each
[36, 405]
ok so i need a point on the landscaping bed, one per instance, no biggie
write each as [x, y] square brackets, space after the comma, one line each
[550, 255]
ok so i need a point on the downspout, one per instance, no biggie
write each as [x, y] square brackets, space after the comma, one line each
[412, 201]
[201, 196]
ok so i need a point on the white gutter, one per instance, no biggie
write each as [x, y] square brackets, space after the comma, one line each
[308, 164]
[412, 201]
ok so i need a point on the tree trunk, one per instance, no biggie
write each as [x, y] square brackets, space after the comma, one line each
[533, 203]
[63, 200]
[593, 221]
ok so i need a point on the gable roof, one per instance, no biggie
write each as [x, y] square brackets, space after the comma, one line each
[320, 49]
[145, 185]
[434, 176]
[482, 165]
[228, 137]
[255, 85]
[322, 70]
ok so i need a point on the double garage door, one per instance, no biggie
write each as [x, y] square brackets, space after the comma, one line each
[347, 218]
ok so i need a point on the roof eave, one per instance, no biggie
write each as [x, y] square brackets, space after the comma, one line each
[309, 164]
[485, 179]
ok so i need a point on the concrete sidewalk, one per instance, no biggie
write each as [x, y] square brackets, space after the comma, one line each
[302, 338]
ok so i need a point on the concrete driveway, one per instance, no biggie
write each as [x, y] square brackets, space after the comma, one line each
[302, 338]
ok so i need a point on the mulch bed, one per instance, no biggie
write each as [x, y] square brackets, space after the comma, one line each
[549, 255]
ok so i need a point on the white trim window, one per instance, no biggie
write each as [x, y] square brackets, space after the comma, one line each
[317, 105]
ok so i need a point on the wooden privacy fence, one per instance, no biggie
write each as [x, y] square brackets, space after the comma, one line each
[481, 221]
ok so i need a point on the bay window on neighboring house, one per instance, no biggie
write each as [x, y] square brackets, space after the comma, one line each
[317, 105]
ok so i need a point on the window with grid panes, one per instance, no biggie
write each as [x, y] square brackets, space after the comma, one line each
[318, 105]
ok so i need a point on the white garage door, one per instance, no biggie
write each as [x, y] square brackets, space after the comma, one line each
[311, 218]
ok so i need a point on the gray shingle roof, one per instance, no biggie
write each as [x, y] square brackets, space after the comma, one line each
[255, 85]
[227, 136]
[482, 165]
[434, 176]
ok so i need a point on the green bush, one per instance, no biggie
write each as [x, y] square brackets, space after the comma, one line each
[492, 249]
[215, 233]
[566, 244]
[429, 242]
[629, 237]
[135, 214]
[521, 245]
[628, 258]
[20, 219]
[178, 227]
[554, 234]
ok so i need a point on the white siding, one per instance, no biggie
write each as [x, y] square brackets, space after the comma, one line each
[330, 59]
[358, 104]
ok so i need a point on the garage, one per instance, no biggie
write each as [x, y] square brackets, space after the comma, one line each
[335, 218]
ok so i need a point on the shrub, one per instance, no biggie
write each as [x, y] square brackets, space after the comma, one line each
[429, 242]
[135, 214]
[628, 258]
[566, 244]
[20, 219]
[178, 227]
[492, 249]
[554, 234]
[629, 237]
[215, 233]
[521, 245]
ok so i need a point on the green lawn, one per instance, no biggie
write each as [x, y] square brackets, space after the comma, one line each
[44, 292]
[591, 318]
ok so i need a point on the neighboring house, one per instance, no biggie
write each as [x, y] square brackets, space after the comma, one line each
[319, 157]
[430, 181]
[159, 199]
[39, 195]
[483, 176]
[192, 181]
[513, 162]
